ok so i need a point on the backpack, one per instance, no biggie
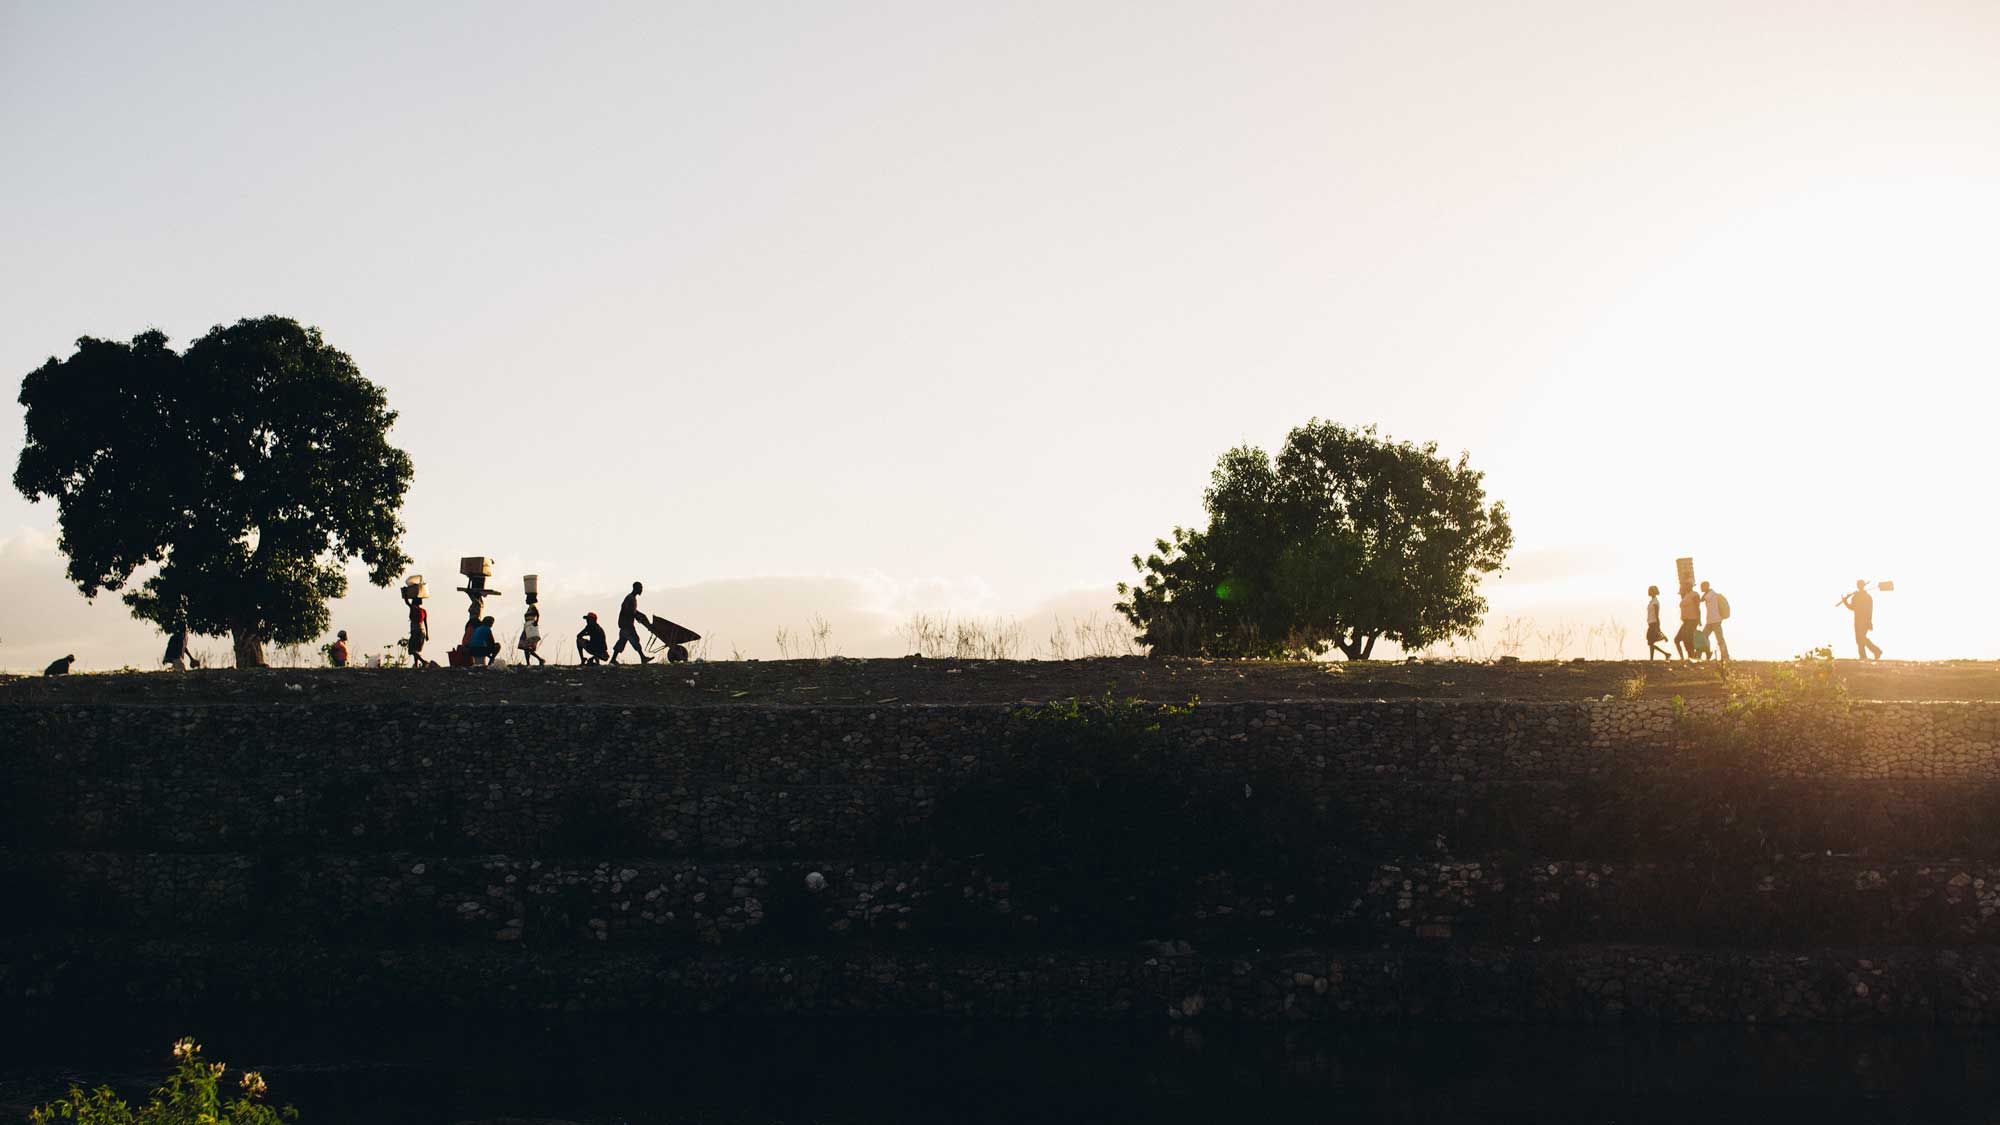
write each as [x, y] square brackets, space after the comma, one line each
[1721, 607]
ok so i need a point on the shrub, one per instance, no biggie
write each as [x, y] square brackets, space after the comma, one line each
[192, 1095]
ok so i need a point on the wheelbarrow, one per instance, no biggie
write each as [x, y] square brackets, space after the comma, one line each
[668, 636]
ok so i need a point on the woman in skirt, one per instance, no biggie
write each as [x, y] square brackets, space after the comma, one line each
[1654, 634]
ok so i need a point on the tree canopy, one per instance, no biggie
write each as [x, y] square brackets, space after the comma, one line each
[249, 468]
[1346, 538]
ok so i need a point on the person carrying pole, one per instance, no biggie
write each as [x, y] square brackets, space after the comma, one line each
[1863, 604]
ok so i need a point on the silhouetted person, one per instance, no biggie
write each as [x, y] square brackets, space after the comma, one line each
[531, 636]
[420, 631]
[481, 643]
[1863, 604]
[1687, 638]
[177, 655]
[628, 626]
[590, 644]
[337, 651]
[1717, 608]
[1654, 634]
[60, 667]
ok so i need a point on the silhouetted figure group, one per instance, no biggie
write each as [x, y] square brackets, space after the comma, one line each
[1694, 640]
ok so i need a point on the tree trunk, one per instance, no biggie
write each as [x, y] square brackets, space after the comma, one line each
[249, 647]
[1368, 650]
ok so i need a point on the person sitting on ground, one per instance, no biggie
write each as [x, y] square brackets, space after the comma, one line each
[337, 651]
[60, 667]
[628, 628]
[531, 636]
[591, 647]
[482, 645]
[1654, 634]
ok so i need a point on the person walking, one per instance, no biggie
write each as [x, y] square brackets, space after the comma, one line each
[177, 655]
[531, 636]
[1687, 638]
[1863, 604]
[1716, 607]
[628, 626]
[1654, 634]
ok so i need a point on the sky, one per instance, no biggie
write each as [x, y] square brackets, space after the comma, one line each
[857, 311]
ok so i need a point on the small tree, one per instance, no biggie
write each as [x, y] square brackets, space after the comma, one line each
[1346, 539]
[249, 469]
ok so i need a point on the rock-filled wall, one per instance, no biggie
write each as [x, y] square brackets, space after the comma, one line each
[1452, 860]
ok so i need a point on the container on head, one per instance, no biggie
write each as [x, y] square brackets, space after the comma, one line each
[415, 587]
[1684, 570]
[473, 566]
[531, 586]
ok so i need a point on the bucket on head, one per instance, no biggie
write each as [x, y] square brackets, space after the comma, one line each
[475, 566]
[531, 584]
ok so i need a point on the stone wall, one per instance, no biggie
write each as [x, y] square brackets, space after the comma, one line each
[1470, 860]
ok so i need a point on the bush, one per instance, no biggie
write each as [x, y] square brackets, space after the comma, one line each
[191, 1096]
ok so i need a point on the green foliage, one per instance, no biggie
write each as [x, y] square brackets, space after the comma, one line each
[192, 1095]
[1345, 539]
[248, 468]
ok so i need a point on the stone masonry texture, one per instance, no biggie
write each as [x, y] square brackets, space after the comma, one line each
[1469, 860]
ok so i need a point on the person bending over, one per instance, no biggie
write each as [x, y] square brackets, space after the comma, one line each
[482, 644]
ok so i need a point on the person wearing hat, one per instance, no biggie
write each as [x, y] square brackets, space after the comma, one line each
[591, 647]
[337, 651]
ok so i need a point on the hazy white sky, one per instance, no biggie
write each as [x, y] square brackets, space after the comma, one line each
[864, 308]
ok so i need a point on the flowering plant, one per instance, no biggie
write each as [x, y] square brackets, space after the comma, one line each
[192, 1095]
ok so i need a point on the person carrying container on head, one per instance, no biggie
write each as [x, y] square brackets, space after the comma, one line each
[628, 626]
[531, 636]
[590, 644]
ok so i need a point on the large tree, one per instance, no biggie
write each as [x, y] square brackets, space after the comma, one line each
[249, 469]
[1345, 539]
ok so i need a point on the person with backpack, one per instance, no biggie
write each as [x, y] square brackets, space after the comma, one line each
[1717, 608]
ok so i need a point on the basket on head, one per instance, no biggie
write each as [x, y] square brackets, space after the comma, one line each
[415, 587]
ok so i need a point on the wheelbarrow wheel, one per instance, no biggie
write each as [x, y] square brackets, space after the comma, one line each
[677, 654]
